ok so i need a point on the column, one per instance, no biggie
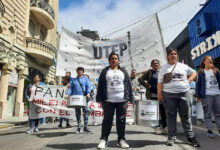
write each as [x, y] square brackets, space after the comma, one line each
[19, 105]
[6, 70]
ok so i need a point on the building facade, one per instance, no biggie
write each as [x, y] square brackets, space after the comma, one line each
[204, 31]
[182, 44]
[89, 34]
[28, 46]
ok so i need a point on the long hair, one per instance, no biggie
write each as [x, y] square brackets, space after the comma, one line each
[202, 65]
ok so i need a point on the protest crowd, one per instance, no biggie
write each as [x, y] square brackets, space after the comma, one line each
[168, 86]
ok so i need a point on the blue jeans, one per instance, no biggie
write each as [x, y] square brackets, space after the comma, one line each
[34, 123]
[67, 120]
[85, 115]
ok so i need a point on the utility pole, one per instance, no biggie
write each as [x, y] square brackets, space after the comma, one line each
[129, 49]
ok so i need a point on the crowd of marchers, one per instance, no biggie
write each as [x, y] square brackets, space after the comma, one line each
[169, 85]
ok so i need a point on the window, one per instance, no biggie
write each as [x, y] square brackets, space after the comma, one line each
[31, 28]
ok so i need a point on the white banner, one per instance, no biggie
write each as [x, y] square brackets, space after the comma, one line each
[145, 45]
[48, 100]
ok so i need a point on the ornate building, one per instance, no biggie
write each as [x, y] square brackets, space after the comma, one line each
[28, 46]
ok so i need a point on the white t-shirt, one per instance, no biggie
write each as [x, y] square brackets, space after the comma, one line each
[179, 82]
[115, 86]
[211, 83]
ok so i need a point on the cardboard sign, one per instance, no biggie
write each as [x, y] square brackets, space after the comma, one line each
[148, 112]
[77, 100]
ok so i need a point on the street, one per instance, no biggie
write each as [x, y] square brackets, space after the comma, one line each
[138, 137]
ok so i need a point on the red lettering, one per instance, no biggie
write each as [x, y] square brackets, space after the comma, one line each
[35, 101]
[98, 113]
[42, 100]
[37, 110]
[92, 105]
[61, 113]
[63, 103]
[67, 113]
[53, 111]
[45, 110]
[128, 114]
[52, 102]
[91, 113]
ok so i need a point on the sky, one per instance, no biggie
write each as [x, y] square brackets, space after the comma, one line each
[107, 16]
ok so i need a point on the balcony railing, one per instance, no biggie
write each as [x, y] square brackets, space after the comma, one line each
[2, 8]
[41, 45]
[43, 5]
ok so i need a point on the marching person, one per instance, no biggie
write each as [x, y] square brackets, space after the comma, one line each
[68, 75]
[174, 91]
[33, 122]
[151, 76]
[114, 92]
[66, 82]
[81, 86]
[207, 90]
[134, 82]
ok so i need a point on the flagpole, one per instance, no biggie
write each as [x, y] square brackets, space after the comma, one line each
[160, 31]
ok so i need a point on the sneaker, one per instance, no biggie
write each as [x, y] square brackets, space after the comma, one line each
[210, 134]
[102, 144]
[29, 131]
[165, 131]
[123, 144]
[36, 129]
[170, 141]
[193, 141]
[87, 130]
[78, 131]
[68, 125]
[60, 126]
[158, 130]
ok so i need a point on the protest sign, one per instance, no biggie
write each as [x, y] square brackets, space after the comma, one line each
[49, 101]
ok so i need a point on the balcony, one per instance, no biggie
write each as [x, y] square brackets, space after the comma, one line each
[43, 12]
[43, 52]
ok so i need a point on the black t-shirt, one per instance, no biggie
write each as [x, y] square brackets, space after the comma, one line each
[153, 82]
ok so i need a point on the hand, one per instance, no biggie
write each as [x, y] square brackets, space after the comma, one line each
[29, 100]
[68, 85]
[66, 96]
[88, 96]
[198, 99]
[190, 80]
[137, 88]
[160, 97]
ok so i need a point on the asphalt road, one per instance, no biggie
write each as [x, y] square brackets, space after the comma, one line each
[138, 137]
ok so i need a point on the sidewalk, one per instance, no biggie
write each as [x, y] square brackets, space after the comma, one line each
[13, 121]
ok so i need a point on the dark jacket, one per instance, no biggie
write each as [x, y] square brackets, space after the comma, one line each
[102, 86]
[201, 84]
[142, 80]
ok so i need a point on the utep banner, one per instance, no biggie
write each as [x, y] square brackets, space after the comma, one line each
[145, 44]
[48, 100]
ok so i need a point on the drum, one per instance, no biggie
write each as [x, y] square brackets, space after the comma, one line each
[147, 113]
[76, 100]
